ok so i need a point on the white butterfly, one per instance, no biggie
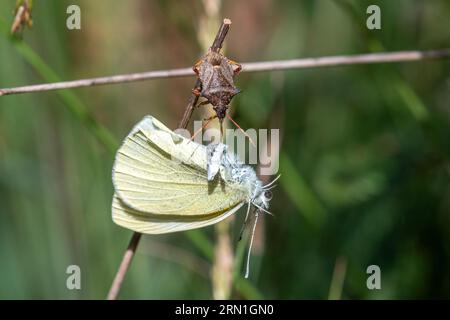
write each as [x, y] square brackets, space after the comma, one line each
[164, 182]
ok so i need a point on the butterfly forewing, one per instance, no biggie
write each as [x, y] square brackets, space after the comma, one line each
[157, 172]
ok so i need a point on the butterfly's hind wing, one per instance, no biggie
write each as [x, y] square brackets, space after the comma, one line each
[157, 224]
[160, 173]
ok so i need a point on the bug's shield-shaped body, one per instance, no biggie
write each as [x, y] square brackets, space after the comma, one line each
[161, 183]
[216, 73]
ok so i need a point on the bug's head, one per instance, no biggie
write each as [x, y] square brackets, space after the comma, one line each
[221, 111]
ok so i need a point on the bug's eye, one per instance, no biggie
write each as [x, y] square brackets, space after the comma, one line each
[268, 195]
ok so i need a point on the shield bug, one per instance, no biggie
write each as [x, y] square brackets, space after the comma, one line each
[216, 73]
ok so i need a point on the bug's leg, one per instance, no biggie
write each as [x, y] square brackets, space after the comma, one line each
[197, 91]
[208, 120]
[237, 67]
[196, 66]
[203, 103]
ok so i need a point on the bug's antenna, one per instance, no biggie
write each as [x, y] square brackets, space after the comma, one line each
[245, 133]
[245, 222]
[247, 269]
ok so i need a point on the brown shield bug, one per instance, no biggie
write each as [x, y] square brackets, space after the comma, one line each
[216, 73]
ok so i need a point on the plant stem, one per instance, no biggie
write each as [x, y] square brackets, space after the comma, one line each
[331, 61]
[124, 265]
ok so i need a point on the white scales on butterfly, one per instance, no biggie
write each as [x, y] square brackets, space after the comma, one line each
[164, 182]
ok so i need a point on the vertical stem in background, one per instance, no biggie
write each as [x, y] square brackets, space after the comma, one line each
[222, 270]
[337, 281]
[134, 242]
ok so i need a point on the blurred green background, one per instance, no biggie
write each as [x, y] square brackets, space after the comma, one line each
[364, 156]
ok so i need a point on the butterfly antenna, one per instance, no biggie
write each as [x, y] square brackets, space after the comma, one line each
[272, 182]
[247, 269]
[203, 127]
[245, 133]
[262, 209]
[245, 223]
[270, 188]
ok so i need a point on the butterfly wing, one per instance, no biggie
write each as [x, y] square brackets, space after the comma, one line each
[158, 172]
[156, 223]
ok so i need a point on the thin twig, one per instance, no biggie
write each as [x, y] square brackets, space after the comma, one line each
[216, 46]
[190, 107]
[133, 77]
[134, 242]
[221, 34]
[382, 57]
[123, 268]
[337, 281]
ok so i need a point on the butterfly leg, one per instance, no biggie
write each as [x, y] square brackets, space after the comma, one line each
[245, 223]
[247, 268]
